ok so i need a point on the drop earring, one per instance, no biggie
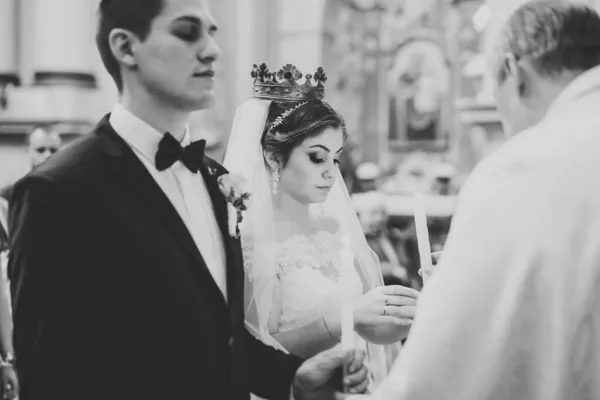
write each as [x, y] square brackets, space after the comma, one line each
[275, 180]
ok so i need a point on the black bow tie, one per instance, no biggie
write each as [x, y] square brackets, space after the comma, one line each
[170, 151]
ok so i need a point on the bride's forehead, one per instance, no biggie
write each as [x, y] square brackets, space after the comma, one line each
[331, 138]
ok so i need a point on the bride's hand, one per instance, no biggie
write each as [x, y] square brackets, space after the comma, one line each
[384, 314]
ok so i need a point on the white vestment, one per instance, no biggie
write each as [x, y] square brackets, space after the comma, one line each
[513, 309]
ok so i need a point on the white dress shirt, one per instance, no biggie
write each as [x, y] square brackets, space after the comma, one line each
[4, 214]
[186, 190]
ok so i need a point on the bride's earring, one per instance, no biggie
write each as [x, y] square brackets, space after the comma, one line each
[275, 180]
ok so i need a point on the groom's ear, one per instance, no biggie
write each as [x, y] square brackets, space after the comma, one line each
[121, 43]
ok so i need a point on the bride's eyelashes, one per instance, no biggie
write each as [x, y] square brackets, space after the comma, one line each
[318, 160]
[187, 31]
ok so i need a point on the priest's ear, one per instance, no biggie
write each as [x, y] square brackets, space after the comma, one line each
[122, 45]
[514, 73]
[272, 160]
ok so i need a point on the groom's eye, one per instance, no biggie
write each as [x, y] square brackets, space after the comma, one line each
[188, 31]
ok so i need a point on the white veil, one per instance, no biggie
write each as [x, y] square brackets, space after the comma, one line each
[244, 157]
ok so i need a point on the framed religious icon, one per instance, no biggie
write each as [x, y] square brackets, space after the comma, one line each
[419, 95]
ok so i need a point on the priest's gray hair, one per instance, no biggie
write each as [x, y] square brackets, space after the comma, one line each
[554, 36]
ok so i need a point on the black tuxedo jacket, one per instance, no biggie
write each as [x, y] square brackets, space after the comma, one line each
[6, 192]
[111, 297]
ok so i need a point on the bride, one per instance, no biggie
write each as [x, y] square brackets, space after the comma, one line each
[286, 143]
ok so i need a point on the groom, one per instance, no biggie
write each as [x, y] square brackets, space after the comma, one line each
[125, 282]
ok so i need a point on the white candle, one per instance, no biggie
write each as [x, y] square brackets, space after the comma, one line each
[422, 236]
[347, 321]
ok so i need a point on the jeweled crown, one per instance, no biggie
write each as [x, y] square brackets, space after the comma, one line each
[284, 86]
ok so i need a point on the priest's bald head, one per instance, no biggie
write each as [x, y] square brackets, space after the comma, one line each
[543, 47]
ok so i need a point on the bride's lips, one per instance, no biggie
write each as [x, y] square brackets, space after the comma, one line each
[324, 187]
[205, 74]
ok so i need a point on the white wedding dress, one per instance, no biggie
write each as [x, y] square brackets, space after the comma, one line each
[308, 270]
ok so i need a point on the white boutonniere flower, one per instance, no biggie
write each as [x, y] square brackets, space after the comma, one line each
[232, 187]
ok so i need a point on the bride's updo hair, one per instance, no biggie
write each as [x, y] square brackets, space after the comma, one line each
[296, 122]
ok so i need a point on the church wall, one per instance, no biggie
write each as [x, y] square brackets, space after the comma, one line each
[48, 45]
[300, 34]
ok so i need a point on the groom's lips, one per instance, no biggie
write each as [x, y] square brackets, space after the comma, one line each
[205, 74]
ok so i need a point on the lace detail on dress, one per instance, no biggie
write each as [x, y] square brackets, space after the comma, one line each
[247, 249]
[307, 267]
[317, 251]
[310, 266]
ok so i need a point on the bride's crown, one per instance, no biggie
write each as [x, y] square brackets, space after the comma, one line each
[283, 85]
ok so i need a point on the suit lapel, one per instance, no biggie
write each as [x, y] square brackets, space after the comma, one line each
[135, 178]
[211, 176]
[211, 172]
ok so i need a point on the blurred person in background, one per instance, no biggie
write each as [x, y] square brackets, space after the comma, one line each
[411, 176]
[367, 175]
[443, 180]
[370, 207]
[41, 143]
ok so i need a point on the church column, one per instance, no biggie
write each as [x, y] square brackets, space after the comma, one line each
[245, 21]
[374, 115]
[233, 85]
[8, 42]
[63, 42]
[300, 34]
[254, 29]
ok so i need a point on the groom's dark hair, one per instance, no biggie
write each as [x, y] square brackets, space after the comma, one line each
[133, 15]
